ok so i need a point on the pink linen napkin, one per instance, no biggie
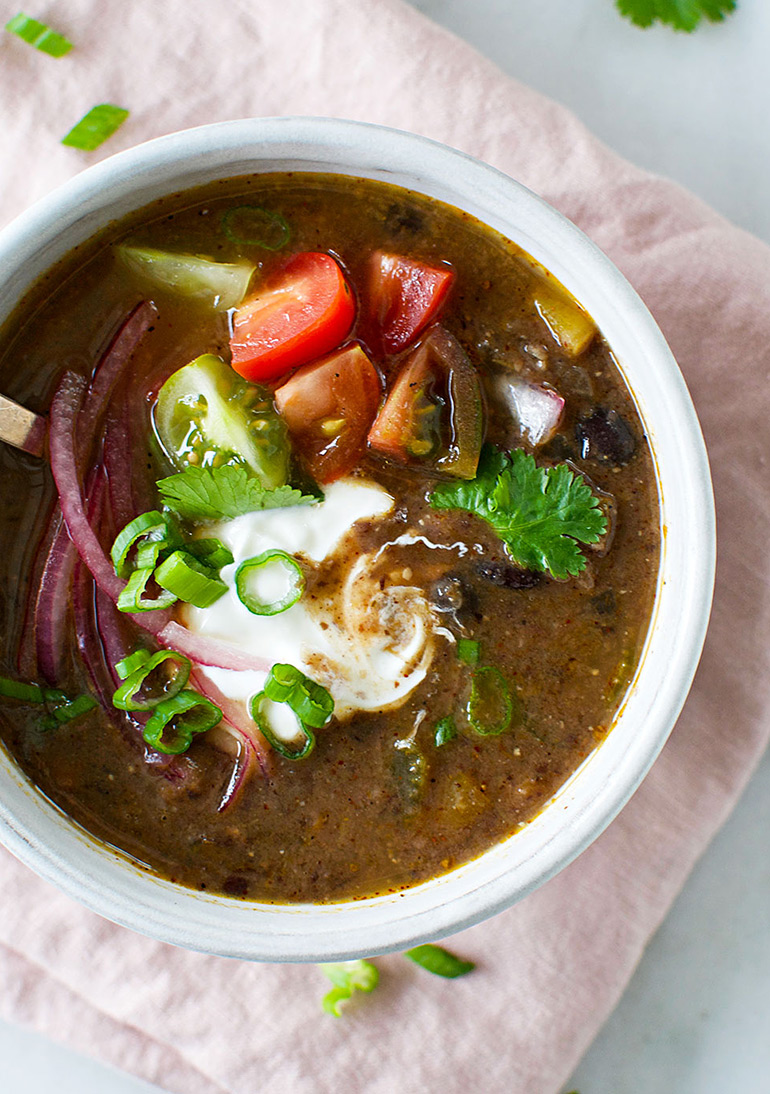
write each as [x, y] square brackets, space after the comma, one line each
[551, 968]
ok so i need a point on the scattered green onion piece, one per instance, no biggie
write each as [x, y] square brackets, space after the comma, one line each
[39, 35]
[150, 533]
[130, 664]
[125, 697]
[95, 127]
[15, 689]
[68, 711]
[250, 600]
[468, 651]
[282, 747]
[446, 731]
[490, 707]
[347, 977]
[131, 599]
[439, 961]
[254, 226]
[189, 712]
[189, 580]
[310, 701]
[211, 552]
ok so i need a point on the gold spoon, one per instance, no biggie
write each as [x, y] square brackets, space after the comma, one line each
[21, 427]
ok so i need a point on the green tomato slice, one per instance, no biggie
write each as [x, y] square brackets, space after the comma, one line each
[220, 285]
[207, 416]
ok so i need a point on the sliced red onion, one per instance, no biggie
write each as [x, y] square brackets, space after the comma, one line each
[52, 603]
[538, 410]
[112, 364]
[244, 765]
[208, 651]
[117, 444]
[236, 716]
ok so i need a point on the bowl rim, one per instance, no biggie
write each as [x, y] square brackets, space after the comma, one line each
[107, 881]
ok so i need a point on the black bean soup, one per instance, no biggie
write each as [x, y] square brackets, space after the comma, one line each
[503, 570]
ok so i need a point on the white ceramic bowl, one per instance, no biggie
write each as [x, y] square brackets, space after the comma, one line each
[110, 883]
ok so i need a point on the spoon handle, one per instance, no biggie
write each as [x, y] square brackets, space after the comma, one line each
[21, 427]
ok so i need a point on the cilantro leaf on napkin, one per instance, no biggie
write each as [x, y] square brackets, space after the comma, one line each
[679, 14]
[540, 513]
[213, 493]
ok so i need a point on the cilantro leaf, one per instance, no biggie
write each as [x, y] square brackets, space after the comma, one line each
[211, 493]
[679, 14]
[540, 513]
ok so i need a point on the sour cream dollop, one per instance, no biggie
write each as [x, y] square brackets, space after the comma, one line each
[370, 643]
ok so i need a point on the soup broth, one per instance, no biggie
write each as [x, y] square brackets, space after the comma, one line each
[507, 675]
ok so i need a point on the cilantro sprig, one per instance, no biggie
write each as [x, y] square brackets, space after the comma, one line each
[679, 14]
[541, 514]
[216, 493]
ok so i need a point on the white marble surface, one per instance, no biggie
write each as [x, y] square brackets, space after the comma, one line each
[696, 1017]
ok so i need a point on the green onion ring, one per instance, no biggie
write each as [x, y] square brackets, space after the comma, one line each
[68, 711]
[150, 532]
[190, 712]
[260, 607]
[189, 580]
[130, 664]
[131, 599]
[259, 227]
[310, 701]
[275, 742]
[125, 697]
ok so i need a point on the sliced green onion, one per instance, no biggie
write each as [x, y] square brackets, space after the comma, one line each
[189, 580]
[68, 711]
[347, 977]
[439, 961]
[150, 533]
[60, 708]
[310, 701]
[292, 572]
[446, 731]
[15, 689]
[130, 664]
[211, 552]
[490, 707]
[468, 651]
[125, 698]
[189, 713]
[284, 748]
[39, 35]
[254, 226]
[131, 599]
[95, 127]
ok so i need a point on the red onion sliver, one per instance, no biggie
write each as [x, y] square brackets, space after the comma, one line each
[209, 651]
[52, 603]
[242, 769]
[64, 420]
[236, 716]
[113, 362]
[538, 410]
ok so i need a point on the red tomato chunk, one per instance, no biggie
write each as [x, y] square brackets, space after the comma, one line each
[404, 296]
[328, 407]
[306, 312]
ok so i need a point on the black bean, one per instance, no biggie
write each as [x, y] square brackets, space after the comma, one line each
[606, 436]
[402, 218]
[507, 576]
[604, 603]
